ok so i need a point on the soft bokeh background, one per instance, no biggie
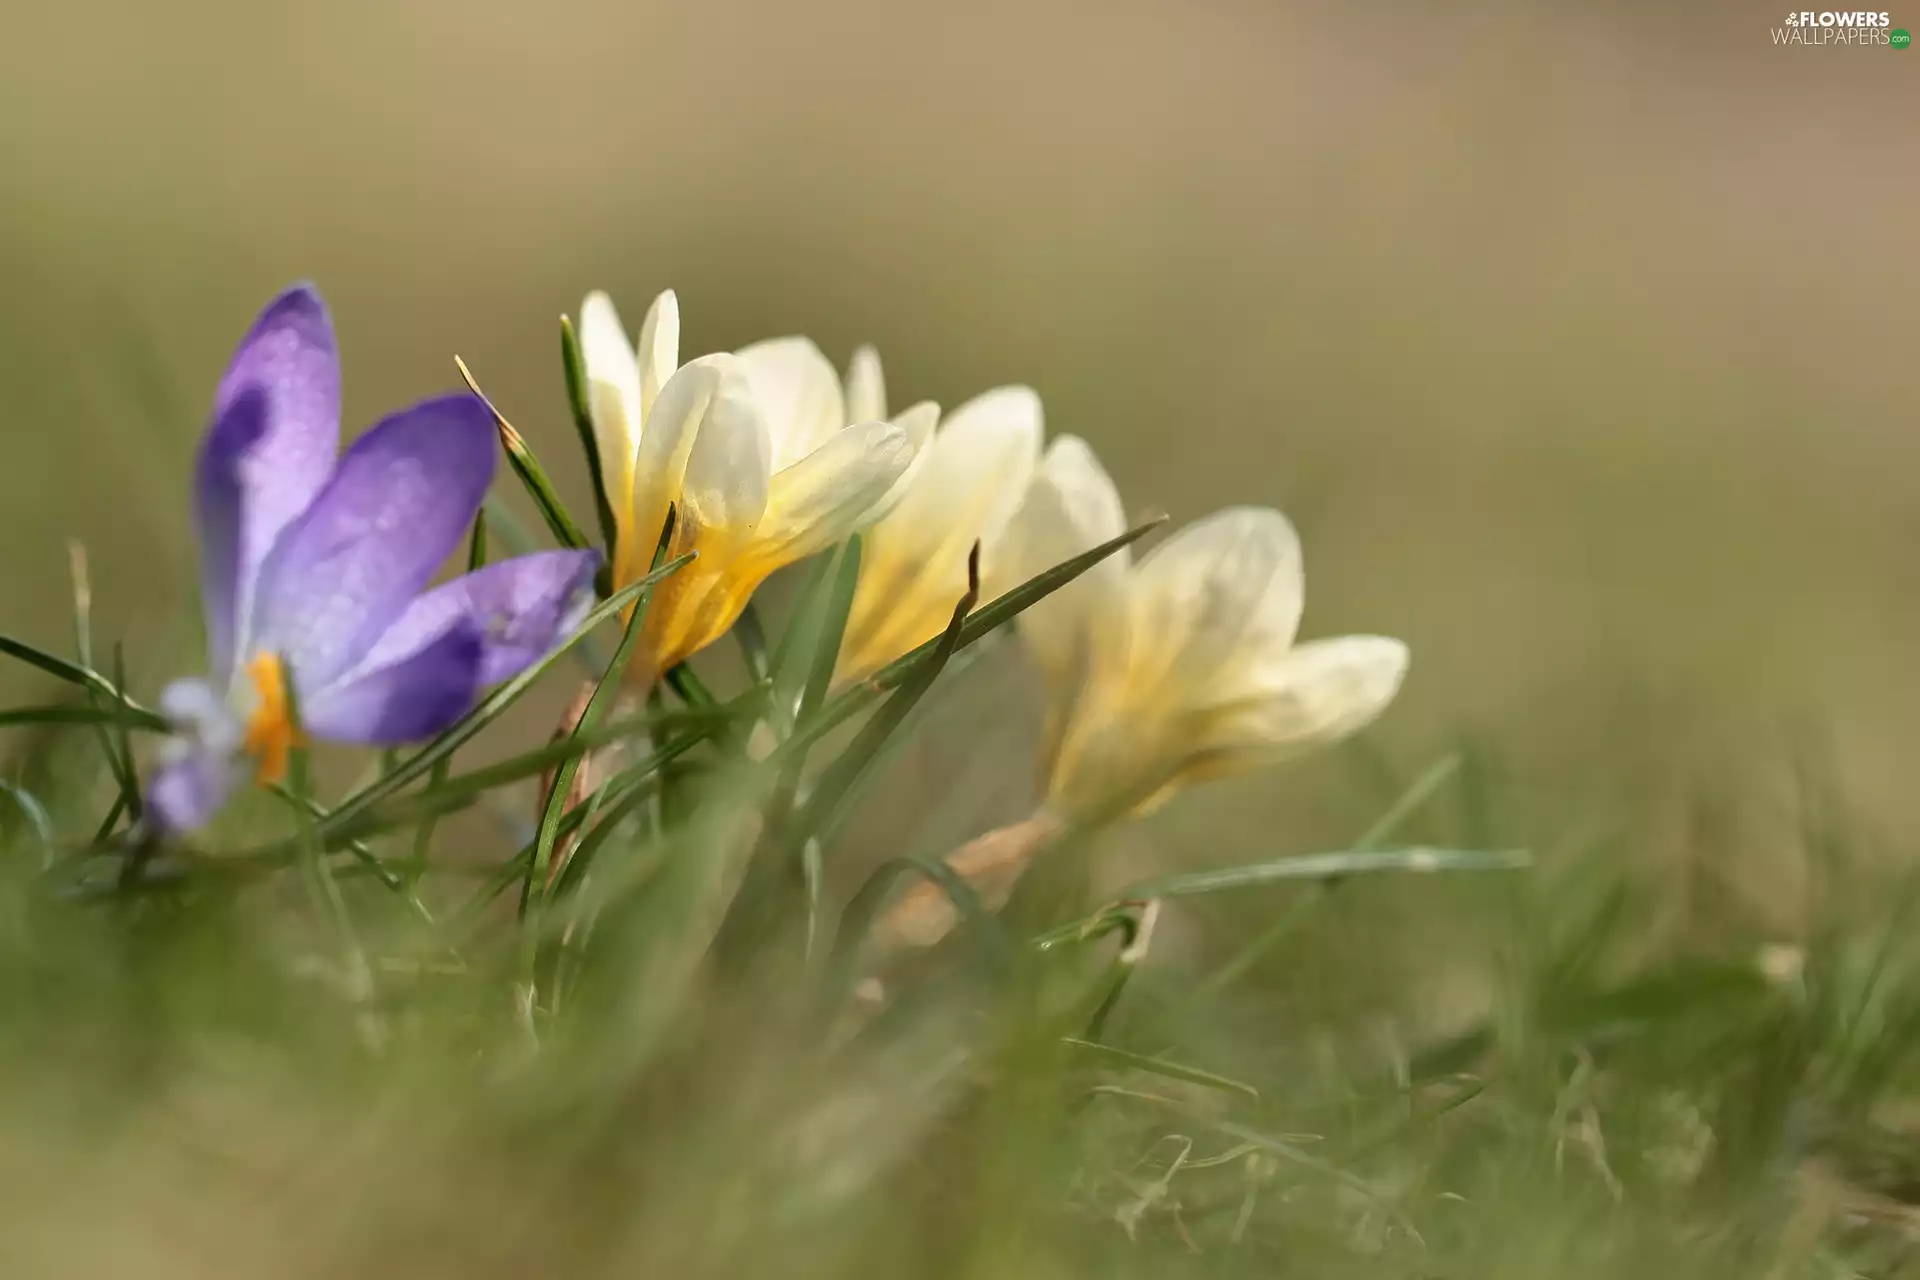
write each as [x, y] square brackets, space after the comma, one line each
[1577, 339]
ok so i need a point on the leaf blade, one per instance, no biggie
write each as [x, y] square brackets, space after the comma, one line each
[533, 477]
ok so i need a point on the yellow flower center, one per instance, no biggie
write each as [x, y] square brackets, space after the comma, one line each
[270, 736]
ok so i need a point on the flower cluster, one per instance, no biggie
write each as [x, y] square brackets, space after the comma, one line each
[1180, 668]
[321, 619]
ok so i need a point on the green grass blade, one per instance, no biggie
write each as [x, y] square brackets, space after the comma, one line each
[752, 637]
[60, 668]
[630, 789]
[317, 871]
[903, 736]
[869, 903]
[1294, 1155]
[110, 821]
[532, 475]
[803, 670]
[1107, 1055]
[463, 789]
[839, 778]
[490, 708]
[801, 673]
[832, 628]
[119, 763]
[422, 845]
[357, 806]
[477, 541]
[145, 721]
[311, 810]
[121, 744]
[793, 653]
[686, 682]
[1326, 866]
[85, 677]
[37, 817]
[994, 614]
[622, 794]
[1311, 867]
[1118, 917]
[1410, 801]
[580, 406]
[1003, 609]
[509, 529]
[535, 889]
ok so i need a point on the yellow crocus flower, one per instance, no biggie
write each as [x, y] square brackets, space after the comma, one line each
[754, 452]
[1182, 666]
[964, 487]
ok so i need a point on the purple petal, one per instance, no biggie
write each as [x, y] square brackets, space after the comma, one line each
[415, 697]
[399, 502]
[269, 449]
[522, 608]
[189, 787]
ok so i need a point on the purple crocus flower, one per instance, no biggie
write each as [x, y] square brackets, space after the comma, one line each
[315, 566]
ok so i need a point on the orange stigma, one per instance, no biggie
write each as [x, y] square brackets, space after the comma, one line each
[270, 736]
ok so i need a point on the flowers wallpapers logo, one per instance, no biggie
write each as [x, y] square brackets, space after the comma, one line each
[1831, 29]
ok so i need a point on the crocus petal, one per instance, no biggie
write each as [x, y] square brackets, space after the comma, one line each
[197, 712]
[522, 608]
[829, 493]
[1311, 696]
[1226, 585]
[199, 763]
[705, 449]
[414, 697]
[866, 388]
[730, 466]
[977, 470]
[1071, 507]
[659, 352]
[614, 394]
[269, 450]
[661, 466]
[919, 424]
[398, 505]
[189, 787]
[914, 564]
[799, 393]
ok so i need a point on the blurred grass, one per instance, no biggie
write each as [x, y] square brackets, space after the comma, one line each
[1607, 1064]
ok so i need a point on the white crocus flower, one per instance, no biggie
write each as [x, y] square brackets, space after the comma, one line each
[755, 453]
[963, 488]
[1183, 666]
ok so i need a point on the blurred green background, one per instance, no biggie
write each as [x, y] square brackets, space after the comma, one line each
[1577, 339]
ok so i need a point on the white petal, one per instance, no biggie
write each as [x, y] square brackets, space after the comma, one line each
[661, 465]
[1071, 507]
[659, 353]
[613, 395]
[729, 468]
[832, 491]
[919, 424]
[975, 474]
[866, 388]
[1313, 695]
[913, 565]
[194, 710]
[799, 393]
[1217, 594]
